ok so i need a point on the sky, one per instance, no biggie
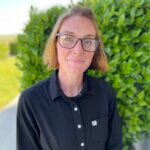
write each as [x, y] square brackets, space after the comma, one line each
[14, 14]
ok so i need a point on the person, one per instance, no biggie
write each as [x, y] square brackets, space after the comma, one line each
[71, 110]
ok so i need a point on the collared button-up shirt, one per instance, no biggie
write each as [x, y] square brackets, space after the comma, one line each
[49, 120]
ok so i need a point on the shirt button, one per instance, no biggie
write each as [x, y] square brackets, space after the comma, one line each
[75, 108]
[79, 126]
[82, 144]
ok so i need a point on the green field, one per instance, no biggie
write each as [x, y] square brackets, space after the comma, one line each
[9, 80]
[9, 74]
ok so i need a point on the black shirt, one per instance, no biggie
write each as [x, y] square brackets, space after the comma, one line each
[49, 120]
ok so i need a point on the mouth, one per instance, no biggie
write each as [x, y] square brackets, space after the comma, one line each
[76, 60]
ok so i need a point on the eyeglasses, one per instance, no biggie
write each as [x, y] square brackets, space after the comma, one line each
[69, 41]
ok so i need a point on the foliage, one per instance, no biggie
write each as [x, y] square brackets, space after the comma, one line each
[32, 43]
[9, 80]
[13, 48]
[125, 27]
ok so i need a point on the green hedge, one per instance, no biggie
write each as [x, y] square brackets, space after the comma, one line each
[13, 48]
[31, 43]
[125, 27]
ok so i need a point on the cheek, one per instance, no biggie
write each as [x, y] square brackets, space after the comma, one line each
[59, 54]
[89, 57]
[62, 54]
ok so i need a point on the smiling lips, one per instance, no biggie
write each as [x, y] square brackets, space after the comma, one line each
[76, 60]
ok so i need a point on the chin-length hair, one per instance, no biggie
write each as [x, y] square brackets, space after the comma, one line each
[50, 57]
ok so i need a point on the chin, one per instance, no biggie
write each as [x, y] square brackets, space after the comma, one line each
[76, 69]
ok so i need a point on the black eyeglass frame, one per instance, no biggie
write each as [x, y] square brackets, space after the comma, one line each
[81, 39]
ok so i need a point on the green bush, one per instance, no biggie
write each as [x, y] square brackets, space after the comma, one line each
[13, 48]
[125, 27]
[32, 43]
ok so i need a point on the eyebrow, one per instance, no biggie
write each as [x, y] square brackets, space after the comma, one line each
[72, 33]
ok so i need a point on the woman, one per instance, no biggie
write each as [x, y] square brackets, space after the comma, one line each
[70, 110]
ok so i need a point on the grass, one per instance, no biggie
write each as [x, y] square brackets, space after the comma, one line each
[9, 80]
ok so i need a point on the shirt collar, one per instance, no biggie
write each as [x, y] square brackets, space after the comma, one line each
[55, 90]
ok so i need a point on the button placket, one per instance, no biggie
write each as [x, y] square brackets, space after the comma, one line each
[79, 126]
[82, 144]
[75, 108]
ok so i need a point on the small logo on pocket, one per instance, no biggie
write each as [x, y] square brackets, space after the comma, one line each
[94, 123]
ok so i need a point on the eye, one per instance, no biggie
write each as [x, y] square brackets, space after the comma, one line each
[88, 42]
[68, 38]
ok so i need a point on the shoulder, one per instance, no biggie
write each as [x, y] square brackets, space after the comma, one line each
[102, 88]
[32, 93]
[100, 83]
[35, 88]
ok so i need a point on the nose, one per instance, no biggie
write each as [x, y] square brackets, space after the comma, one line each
[78, 49]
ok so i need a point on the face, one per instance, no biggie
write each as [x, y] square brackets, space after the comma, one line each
[75, 60]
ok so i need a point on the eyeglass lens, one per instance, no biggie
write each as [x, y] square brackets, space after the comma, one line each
[68, 41]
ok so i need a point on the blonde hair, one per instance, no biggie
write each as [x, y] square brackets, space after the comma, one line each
[50, 58]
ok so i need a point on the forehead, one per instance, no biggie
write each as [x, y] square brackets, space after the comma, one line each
[79, 26]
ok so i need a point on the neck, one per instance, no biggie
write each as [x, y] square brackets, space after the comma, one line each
[71, 84]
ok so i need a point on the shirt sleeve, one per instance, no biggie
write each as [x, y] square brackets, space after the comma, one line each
[114, 141]
[27, 129]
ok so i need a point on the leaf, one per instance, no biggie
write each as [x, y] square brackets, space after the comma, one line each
[142, 103]
[121, 20]
[115, 40]
[135, 33]
[139, 12]
[126, 37]
[132, 13]
[145, 38]
[138, 54]
[141, 95]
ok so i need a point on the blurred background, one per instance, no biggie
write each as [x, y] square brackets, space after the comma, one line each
[14, 16]
[25, 25]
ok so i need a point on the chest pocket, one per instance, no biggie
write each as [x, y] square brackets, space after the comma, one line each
[99, 129]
